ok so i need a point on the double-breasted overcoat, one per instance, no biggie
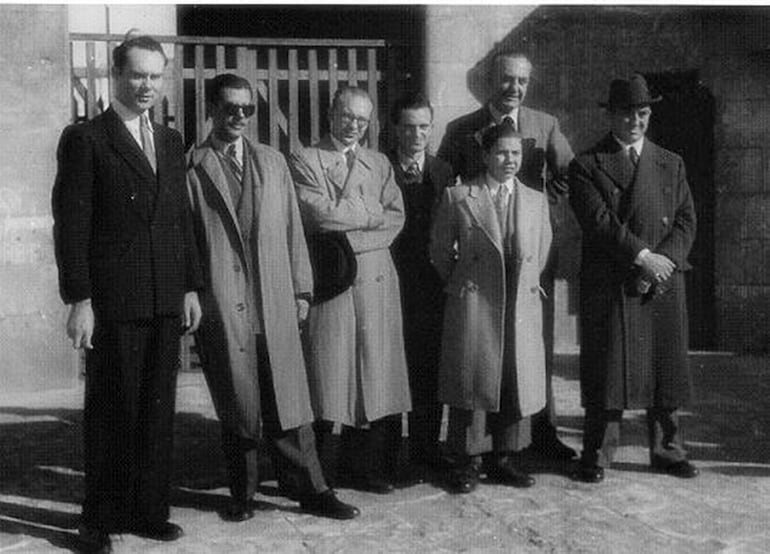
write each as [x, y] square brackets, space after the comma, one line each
[283, 273]
[491, 301]
[355, 345]
[633, 347]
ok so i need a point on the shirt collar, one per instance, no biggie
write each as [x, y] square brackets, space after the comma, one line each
[130, 117]
[221, 146]
[341, 147]
[498, 116]
[638, 145]
[406, 160]
[494, 185]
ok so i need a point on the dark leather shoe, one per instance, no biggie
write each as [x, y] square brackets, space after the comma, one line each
[683, 469]
[326, 504]
[508, 474]
[94, 541]
[588, 473]
[164, 531]
[553, 449]
[238, 511]
[463, 480]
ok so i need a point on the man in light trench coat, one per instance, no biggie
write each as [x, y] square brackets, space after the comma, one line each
[258, 287]
[357, 365]
[490, 242]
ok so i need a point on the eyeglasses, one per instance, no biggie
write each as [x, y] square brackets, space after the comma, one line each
[348, 118]
[233, 109]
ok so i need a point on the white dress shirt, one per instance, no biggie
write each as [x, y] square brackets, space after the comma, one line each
[132, 121]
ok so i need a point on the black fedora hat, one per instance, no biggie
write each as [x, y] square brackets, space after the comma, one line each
[628, 93]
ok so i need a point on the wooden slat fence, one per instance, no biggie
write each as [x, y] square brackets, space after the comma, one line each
[293, 81]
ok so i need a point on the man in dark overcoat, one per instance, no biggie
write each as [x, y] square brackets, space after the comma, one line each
[546, 157]
[258, 287]
[129, 270]
[634, 205]
[422, 179]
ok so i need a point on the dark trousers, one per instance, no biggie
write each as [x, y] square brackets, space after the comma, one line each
[473, 433]
[361, 452]
[128, 422]
[543, 422]
[601, 436]
[422, 334]
[293, 451]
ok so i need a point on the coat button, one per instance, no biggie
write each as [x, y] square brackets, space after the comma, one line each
[529, 259]
[236, 268]
[240, 307]
[379, 278]
[533, 290]
[664, 221]
[132, 197]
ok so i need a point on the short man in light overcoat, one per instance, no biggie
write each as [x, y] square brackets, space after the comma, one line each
[490, 242]
[546, 157]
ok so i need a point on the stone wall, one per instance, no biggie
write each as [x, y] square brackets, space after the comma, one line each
[578, 50]
[36, 106]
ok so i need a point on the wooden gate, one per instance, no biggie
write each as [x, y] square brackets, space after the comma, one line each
[293, 81]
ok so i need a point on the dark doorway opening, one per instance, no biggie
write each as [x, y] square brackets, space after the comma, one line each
[683, 122]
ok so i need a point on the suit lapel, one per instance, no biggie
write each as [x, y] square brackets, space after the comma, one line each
[257, 188]
[206, 164]
[480, 206]
[126, 146]
[332, 163]
[645, 189]
[614, 163]
[362, 167]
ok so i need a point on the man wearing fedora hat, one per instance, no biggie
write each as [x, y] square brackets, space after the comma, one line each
[635, 208]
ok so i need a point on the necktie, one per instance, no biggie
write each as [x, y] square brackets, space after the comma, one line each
[235, 163]
[413, 174]
[147, 145]
[501, 206]
[350, 158]
[509, 120]
[633, 155]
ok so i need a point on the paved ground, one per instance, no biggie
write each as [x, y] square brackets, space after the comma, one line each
[725, 510]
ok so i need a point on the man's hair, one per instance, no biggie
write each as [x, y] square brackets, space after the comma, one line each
[509, 54]
[492, 134]
[120, 53]
[409, 101]
[342, 91]
[227, 80]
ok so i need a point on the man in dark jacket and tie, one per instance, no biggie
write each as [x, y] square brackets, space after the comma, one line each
[129, 270]
[546, 157]
[422, 178]
[634, 205]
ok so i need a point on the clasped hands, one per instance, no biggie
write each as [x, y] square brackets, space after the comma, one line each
[657, 268]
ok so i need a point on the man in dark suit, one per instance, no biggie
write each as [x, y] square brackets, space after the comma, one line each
[129, 269]
[546, 157]
[421, 178]
[258, 287]
[635, 208]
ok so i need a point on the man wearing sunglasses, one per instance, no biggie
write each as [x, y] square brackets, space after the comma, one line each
[257, 292]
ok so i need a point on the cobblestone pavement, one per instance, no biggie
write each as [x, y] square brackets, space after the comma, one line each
[634, 510]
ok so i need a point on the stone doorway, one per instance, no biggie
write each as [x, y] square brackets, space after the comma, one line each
[683, 122]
